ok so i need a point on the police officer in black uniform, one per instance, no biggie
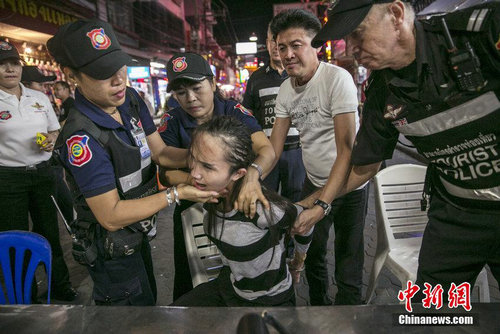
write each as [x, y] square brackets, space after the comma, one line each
[436, 80]
[107, 145]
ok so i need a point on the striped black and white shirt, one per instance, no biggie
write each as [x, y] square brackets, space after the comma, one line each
[258, 267]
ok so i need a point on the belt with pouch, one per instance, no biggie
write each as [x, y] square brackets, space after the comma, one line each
[123, 242]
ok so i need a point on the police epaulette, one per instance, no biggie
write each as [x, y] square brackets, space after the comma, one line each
[467, 16]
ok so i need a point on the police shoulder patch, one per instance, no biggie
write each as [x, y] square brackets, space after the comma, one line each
[243, 110]
[164, 122]
[79, 152]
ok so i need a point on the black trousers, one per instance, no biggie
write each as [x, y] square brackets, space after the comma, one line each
[290, 173]
[127, 280]
[348, 218]
[456, 245]
[220, 292]
[25, 192]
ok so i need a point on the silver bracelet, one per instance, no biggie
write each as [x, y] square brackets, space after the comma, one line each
[258, 168]
[169, 196]
[176, 196]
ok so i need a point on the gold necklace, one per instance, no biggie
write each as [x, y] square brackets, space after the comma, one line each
[113, 112]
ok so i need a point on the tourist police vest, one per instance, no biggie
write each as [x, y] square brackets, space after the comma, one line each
[458, 131]
[135, 176]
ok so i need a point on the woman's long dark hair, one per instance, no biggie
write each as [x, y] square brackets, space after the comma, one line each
[237, 143]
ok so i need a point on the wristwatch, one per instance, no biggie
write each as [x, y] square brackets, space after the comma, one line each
[258, 168]
[326, 207]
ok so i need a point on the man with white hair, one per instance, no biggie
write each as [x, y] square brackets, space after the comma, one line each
[435, 80]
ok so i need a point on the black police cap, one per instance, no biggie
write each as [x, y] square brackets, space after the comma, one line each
[343, 18]
[8, 51]
[33, 74]
[187, 65]
[89, 46]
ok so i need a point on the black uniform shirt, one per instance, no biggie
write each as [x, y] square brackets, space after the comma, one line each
[458, 131]
[260, 98]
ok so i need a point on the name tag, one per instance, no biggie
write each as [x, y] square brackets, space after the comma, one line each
[141, 142]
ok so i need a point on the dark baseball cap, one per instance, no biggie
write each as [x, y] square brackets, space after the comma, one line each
[7, 51]
[33, 74]
[89, 46]
[187, 65]
[343, 18]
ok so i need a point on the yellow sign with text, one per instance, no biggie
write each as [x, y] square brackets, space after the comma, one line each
[37, 11]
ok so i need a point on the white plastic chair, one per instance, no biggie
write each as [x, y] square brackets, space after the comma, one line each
[400, 226]
[204, 258]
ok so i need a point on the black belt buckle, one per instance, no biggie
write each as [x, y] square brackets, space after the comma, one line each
[39, 165]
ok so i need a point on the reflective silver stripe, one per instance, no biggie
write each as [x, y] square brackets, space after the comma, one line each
[291, 132]
[480, 19]
[145, 162]
[134, 179]
[472, 19]
[268, 91]
[465, 113]
[130, 181]
[487, 194]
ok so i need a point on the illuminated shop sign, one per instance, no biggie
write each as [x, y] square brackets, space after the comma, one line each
[138, 72]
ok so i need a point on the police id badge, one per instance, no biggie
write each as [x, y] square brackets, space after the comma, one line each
[140, 138]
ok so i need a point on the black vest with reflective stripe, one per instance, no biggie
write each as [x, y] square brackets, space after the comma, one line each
[458, 131]
[135, 177]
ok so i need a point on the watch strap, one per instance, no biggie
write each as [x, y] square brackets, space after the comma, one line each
[325, 206]
[258, 168]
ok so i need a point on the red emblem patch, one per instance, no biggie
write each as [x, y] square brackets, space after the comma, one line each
[243, 110]
[99, 39]
[497, 44]
[79, 152]
[5, 115]
[163, 122]
[400, 122]
[179, 64]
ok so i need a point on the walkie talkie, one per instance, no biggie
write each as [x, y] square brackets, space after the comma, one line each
[464, 64]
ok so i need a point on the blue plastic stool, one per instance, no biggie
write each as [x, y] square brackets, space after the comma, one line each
[21, 241]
